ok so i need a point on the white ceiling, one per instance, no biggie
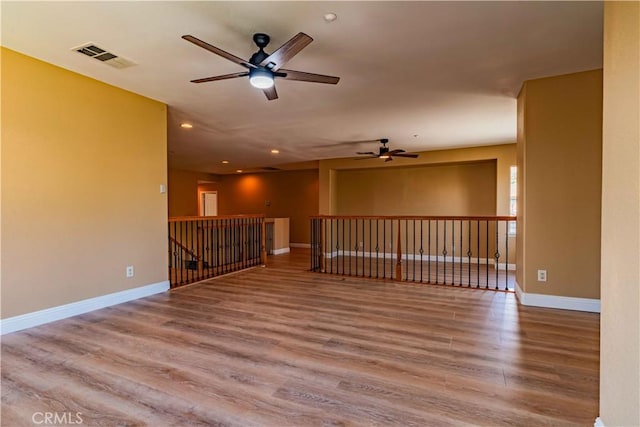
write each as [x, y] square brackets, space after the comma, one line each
[447, 72]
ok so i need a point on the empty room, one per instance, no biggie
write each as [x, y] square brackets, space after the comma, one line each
[265, 213]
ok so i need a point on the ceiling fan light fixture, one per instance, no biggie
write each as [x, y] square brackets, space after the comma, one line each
[384, 156]
[261, 78]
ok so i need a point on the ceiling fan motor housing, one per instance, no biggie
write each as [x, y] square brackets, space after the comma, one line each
[261, 40]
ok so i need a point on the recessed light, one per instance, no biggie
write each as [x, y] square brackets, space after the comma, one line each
[186, 125]
[274, 151]
[225, 162]
[330, 17]
[239, 170]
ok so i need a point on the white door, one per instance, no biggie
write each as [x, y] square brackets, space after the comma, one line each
[210, 203]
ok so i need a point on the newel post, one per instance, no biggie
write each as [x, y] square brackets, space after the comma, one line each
[263, 242]
[199, 252]
[321, 246]
[398, 276]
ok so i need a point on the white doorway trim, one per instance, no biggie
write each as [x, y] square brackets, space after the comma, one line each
[208, 203]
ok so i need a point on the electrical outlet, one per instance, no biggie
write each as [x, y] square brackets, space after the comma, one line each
[130, 271]
[542, 275]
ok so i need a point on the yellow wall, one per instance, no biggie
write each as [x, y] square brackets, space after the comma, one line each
[561, 154]
[504, 156]
[620, 321]
[82, 163]
[452, 189]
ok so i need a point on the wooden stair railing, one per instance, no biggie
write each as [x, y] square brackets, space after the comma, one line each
[215, 245]
[470, 251]
[185, 249]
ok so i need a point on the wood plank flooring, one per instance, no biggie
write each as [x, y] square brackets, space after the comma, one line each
[449, 273]
[279, 346]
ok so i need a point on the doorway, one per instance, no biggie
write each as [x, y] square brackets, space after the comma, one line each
[209, 203]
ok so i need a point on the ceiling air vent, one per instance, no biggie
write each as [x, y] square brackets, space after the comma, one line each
[102, 55]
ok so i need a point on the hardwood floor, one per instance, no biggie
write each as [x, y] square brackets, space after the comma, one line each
[279, 346]
[466, 275]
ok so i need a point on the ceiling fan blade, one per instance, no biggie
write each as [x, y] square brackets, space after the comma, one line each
[389, 159]
[395, 152]
[218, 51]
[309, 77]
[367, 152]
[287, 51]
[271, 93]
[222, 77]
[411, 155]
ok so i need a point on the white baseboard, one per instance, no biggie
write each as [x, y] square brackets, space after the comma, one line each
[518, 293]
[281, 251]
[300, 245]
[598, 423]
[554, 301]
[29, 320]
[502, 265]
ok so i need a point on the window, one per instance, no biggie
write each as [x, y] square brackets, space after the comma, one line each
[513, 197]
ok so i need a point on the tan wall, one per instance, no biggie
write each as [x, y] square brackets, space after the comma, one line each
[522, 202]
[281, 229]
[452, 189]
[292, 194]
[561, 143]
[82, 163]
[183, 191]
[620, 321]
[503, 155]
[454, 192]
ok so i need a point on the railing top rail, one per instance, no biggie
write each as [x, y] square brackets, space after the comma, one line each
[184, 248]
[425, 218]
[212, 218]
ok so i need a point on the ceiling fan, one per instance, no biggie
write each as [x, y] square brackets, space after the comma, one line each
[384, 153]
[262, 67]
